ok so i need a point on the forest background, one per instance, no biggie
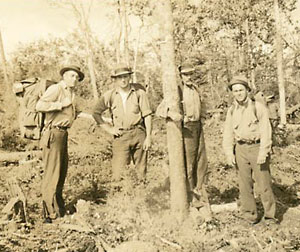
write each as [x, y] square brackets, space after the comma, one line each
[221, 38]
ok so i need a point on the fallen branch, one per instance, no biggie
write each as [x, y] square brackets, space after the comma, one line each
[17, 156]
[259, 245]
[172, 244]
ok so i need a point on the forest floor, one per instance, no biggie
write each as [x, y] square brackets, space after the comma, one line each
[105, 216]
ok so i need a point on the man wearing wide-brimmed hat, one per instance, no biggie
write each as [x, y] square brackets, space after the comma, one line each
[193, 135]
[247, 144]
[59, 107]
[131, 123]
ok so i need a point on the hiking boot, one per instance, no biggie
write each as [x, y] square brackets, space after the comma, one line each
[270, 221]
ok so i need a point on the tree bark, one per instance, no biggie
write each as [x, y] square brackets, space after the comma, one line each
[279, 55]
[178, 189]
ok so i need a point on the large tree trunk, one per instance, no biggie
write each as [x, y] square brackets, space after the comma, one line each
[179, 203]
[279, 55]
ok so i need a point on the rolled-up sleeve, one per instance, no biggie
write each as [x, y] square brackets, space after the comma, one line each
[144, 104]
[228, 137]
[100, 107]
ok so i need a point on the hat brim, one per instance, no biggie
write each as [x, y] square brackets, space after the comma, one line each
[121, 74]
[65, 69]
[241, 83]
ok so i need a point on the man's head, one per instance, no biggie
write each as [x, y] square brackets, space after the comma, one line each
[186, 71]
[71, 75]
[122, 76]
[240, 88]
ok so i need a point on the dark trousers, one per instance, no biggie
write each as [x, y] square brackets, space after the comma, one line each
[246, 158]
[195, 154]
[55, 159]
[127, 147]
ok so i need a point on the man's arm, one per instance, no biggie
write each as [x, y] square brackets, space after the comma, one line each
[148, 125]
[99, 108]
[228, 139]
[49, 100]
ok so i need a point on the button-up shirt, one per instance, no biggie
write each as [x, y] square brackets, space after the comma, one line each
[124, 115]
[191, 104]
[51, 104]
[242, 124]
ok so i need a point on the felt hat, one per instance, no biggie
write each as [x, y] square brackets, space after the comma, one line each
[120, 71]
[73, 68]
[240, 79]
[186, 68]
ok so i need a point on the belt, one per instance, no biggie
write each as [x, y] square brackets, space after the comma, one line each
[132, 127]
[60, 127]
[248, 141]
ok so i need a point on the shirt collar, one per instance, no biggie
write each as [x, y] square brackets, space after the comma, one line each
[244, 104]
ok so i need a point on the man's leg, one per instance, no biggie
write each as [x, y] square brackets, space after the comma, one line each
[139, 155]
[191, 144]
[265, 188]
[121, 155]
[60, 203]
[202, 162]
[248, 204]
[52, 156]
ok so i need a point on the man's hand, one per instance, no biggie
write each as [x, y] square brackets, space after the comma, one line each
[115, 131]
[147, 143]
[231, 160]
[66, 102]
[261, 160]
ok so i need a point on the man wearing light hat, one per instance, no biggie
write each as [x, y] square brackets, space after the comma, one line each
[247, 141]
[131, 123]
[59, 107]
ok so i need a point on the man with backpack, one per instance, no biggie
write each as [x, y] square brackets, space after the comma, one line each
[131, 123]
[247, 141]
[59, 107]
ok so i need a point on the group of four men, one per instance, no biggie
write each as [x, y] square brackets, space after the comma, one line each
[247, 136]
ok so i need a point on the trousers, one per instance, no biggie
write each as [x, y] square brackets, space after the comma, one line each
[195, 154]
[55, 160]
[127, 147]
[246, 159]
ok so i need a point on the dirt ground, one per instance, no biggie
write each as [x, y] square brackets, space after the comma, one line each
[105, 216]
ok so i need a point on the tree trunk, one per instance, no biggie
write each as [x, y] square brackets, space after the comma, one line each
[250, 56]
[125, 31]
[91, 66]
[279, 55]
[178, 189]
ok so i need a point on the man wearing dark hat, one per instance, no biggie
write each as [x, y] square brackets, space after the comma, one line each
[247, 144]
[193, 136]
[131, 123]
[59, 107]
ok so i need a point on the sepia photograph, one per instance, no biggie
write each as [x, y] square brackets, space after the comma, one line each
[149, 125]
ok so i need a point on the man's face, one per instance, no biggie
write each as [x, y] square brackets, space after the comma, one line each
[239, 92]
[122, 81]
[187, 78]
[71, 78]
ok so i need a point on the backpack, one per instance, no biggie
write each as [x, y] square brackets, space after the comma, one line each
[28, 92]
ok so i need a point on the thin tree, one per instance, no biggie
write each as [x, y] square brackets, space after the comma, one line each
[279, 55]
[179, 203]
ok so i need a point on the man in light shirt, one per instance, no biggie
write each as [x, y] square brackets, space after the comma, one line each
[131, 123]
[247, 141]
[59, 107]
[196, 163]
